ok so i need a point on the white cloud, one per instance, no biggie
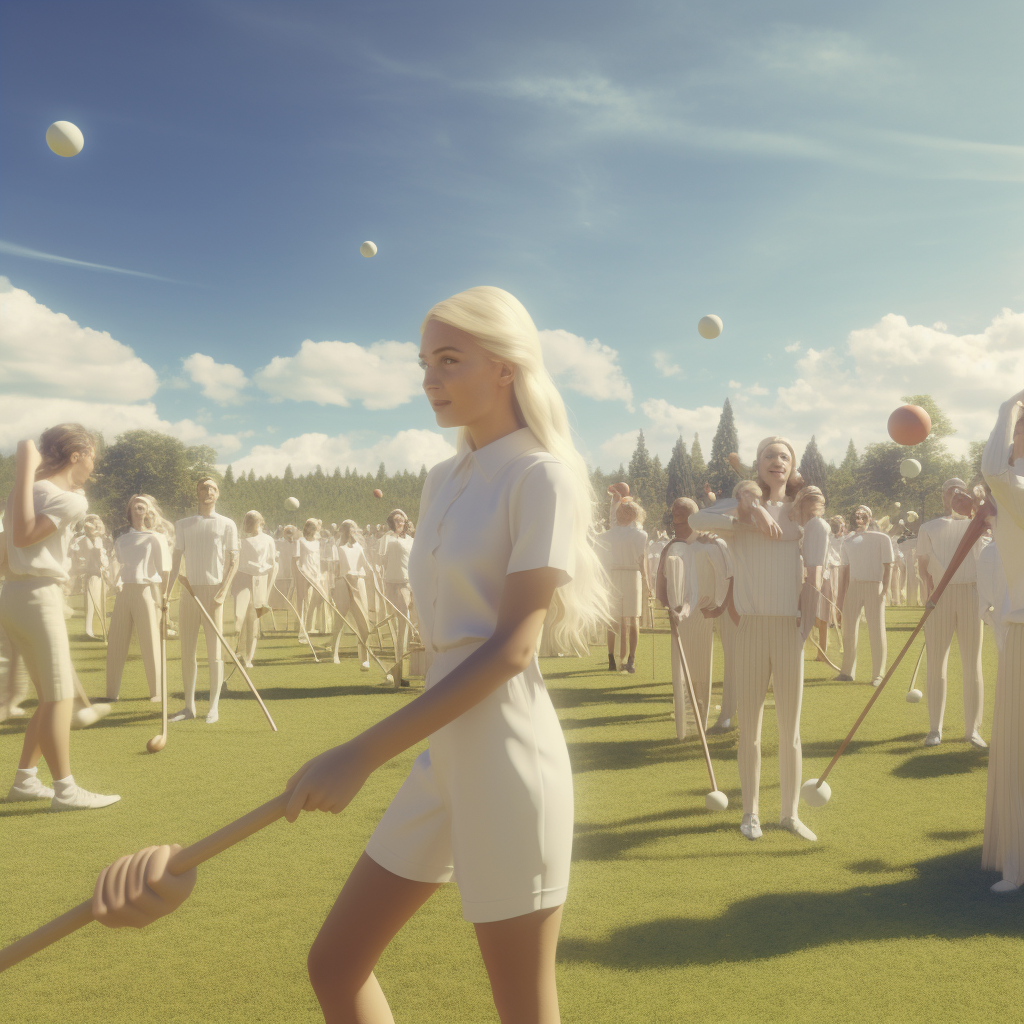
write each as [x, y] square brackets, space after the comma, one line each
[220, 382]
[664, 365]
[46, 353]
[406, 450]
[795, 347]
[588, 367]
[735, 385]
[383, 375]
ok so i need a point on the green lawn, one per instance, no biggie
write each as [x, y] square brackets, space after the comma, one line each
[672, 915]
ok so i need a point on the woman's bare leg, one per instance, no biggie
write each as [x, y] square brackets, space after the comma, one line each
[48, 735]
[369, 912]
[519, 955]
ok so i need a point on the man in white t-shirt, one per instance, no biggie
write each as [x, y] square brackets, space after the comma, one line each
[958, 611]
[865, 571]
[208, 542]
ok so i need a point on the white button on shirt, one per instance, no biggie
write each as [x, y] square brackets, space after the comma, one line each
[140, 555]
[867, 554]
[206, 542]
[506, 508]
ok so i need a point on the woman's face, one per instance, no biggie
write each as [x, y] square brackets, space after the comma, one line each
[775, 464]
[400, 521]
[463, 382]
[82, 466]
[138, 513]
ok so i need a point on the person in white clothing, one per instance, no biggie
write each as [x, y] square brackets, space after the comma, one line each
[208, 543]
[807, 510]
[1002, 465]
[908, 547]
[353, 577]
[140, 559]
[283, 588]
[957, 612]
[305, 561]
[94, 561]
[764, 543]
[395, 549]
[866, 565]
[257, 568]
[42, 510]
[623, 551]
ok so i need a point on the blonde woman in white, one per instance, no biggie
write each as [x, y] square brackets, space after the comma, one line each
[305, 562]
[42, 510]
[354, 576]
[623, 550]
[94, 561]
[140, 559]
[767, 578]
[395, 550]
[284, 584]
[257, 565]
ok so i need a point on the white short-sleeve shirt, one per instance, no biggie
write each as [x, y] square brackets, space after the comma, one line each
[206, 542]
[939, 539]
[867, 553]
[308, 554]
[351, 560]
[395, 552]
[65, 509]
[257, 554]
[622, 547]
[140, 555]
[816, 542]
[508, 507]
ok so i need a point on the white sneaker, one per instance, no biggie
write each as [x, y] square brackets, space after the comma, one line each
[975, 740]
[798, 828]
[364, 667]
[184, 715]
[212, 716]
[751, 826]
[81, 800]
[933, 739]
[30, 789]
[876, 682]
[1005, 885]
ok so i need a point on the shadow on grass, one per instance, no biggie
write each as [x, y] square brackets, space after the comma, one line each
[935, 766]
[606, 755]
[948, 899]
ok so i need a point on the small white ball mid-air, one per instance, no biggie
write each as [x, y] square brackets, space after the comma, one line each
[292, 503]
[897, 504]
[709, 326]
[914, 696]
[716, 800]
[368, 249]
[815, 795]
[909, 468]
[65, 138]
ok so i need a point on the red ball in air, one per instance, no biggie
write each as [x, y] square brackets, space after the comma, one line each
[909, 425]
[378, 493]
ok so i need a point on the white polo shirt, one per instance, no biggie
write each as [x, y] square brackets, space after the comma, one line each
[506, 508]
[394, 556]
[351, 560]
[206, 542]
[939, 539]
[257, 554]
[709, 564]
[140, 555]
[65, 509]
[867, 553]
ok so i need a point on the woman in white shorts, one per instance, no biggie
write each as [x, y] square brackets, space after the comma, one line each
[42, 511]
[250, 588]
[503, 524]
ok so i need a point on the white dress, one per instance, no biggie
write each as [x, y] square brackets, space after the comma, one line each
[490, 802]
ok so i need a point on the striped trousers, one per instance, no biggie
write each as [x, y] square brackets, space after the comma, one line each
[93, 589]
[190, 619]
[866, 594]
[1003, 848]
[697, 634]
[958, 611]
[768, 648]
[135, 606]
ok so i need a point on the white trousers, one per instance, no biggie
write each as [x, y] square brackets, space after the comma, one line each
[866, 594]
[768, 649]
[727, 630]
[697, 634]
[1003, 848]
[957, 612]
[135, 606]
[94, 604]
[350, 600]
[250, 593]
[190, 619]
[400, 595]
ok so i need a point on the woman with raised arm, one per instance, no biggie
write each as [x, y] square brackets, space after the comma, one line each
[42, 510]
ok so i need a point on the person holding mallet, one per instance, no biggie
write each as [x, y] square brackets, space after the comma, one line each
[252, 584]
[208, 543]
[353, 571]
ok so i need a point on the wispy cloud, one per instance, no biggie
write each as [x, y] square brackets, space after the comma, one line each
[33, 254]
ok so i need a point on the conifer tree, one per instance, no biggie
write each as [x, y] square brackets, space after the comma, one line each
[725, 441]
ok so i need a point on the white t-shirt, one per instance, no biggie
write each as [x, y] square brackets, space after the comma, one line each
[65, 509]
[394, 555]
[506, 508]
[622, 547]
[257, 554]
[939, 539]
[141, 556]
[351, 560]
[308, 554]
[206, 542]
[867, 553]
[285, 551]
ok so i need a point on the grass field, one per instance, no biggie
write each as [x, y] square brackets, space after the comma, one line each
[672, 915]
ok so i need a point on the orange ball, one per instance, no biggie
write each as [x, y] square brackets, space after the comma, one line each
[156, 744]
[620, 489]
[909, 425]
[378, 493]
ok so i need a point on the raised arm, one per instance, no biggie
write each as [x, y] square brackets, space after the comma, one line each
[27, 528]
[1006, 486]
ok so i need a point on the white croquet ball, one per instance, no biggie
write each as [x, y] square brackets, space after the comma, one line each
[897, 504]
[65, 138]
[914, 696]
[716, 800]
[82, 718]
[910, 468]
[815, 795]
[709, 326]
[368, 249]
[292, 502]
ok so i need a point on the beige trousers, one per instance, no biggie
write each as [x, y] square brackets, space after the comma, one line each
[250, 593]
[1003, 848]
[400, 595]
[135, 606]
[13, 677]
[350, 600]
[866, 594]
[697, 634]
[190, 619]
[958, 611]
[727, 630]
[768, 649]
[94, 604]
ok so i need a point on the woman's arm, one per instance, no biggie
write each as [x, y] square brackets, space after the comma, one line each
[329, 781]
[27, 528]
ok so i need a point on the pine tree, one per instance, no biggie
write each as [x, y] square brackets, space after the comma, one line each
[725, 441]
[699, 467]
[679, 482]
[229, 477]
[640, 473]
[851, 460]
[813, 468]
[252, 476]
[289, 476]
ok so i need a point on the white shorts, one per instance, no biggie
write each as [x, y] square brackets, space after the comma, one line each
[32, 615]
[489, 803]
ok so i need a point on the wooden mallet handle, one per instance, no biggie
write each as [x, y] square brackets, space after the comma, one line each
[696, 711]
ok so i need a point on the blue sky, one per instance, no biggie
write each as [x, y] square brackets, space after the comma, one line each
[840, 183]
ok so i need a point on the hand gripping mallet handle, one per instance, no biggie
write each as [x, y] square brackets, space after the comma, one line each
[227, 647]
[298, 618]
[977, 527]
[696, 712]
[182, 861]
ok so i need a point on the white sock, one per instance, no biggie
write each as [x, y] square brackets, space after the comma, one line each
[64, 787]
[24, 774]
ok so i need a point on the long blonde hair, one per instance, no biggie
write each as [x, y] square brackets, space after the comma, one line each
[499, 323]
